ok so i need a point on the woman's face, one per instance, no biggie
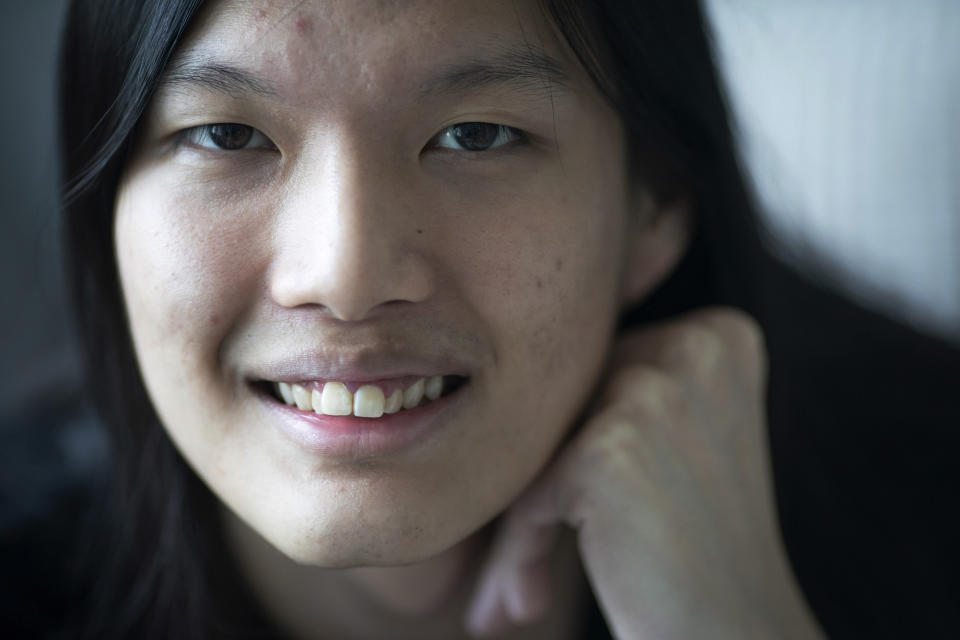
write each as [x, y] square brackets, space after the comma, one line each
[348, 233]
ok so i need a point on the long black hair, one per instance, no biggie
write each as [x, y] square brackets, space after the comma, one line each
[160, 571]
[150, 548]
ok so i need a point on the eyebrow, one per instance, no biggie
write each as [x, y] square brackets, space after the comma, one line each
[526, 69]
[187, 72]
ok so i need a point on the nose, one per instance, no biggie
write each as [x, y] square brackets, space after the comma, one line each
[345, 243]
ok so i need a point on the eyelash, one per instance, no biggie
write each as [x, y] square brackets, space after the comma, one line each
[504, 135]
[203, 136]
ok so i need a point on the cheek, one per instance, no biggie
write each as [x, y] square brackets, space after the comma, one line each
[545, 278]
[572, 293]
[183, 281]
[546, 270]
[559, 304]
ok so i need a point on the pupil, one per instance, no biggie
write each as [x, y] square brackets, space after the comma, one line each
[476, 136]
[230, 135]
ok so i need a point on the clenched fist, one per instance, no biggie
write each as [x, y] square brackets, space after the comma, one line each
[668, 487]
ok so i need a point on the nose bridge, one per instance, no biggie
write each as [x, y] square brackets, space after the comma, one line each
[342, 242]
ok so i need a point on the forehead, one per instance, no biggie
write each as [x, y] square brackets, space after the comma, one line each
[321, 51]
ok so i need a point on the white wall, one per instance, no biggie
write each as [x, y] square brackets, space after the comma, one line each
[849, 114]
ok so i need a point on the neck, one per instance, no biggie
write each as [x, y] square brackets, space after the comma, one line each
[423, 600]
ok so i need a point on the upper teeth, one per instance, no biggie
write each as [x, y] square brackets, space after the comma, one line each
[369, 401]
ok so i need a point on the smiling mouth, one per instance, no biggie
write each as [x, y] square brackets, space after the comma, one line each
[334, 398]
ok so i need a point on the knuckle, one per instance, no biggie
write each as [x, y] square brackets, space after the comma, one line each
[614, 442]
[647, 391]
[746, 335]
[695, 346]
[740, 335]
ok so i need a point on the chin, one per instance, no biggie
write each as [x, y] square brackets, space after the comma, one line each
[355, 540]
[351, 553]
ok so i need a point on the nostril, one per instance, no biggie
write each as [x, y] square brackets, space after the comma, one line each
[349, 283]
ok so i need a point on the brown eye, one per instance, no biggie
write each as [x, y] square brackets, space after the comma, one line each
[226, 136]
[476, 136]
[230, 136]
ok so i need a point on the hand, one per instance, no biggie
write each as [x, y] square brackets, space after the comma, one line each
[668, 488]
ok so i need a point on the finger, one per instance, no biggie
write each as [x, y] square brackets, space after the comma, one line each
[698, 346]
[729, 324]
[486, 615]
[514, 586]
[527, 591]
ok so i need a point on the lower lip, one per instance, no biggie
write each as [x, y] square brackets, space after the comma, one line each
[349, 437]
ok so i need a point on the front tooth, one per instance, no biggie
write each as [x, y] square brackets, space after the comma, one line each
[394, 403]
[302, 397]
[368, 402]
[434, 387]
[336, 400]
[413, 395]
[285, 392]
[316, 401]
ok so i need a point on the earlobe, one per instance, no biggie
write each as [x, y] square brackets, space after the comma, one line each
[659, 235]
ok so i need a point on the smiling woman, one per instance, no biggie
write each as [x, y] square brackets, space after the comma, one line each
[397, 317]
[302, 243]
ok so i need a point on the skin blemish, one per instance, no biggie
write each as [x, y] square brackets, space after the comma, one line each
[539, 283]
[420, 231]
[559, 264]
[304, 25]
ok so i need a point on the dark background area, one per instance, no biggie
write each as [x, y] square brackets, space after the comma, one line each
[50, 443]
[38, 363]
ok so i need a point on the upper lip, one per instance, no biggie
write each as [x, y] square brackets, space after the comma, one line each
[300, 347]
[356, 365]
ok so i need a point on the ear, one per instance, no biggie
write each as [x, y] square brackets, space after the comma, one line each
[659, 234]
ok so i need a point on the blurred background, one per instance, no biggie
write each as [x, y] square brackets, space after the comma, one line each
[35, 344]
[848, 121]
